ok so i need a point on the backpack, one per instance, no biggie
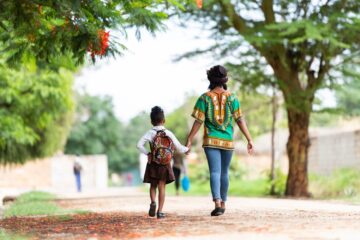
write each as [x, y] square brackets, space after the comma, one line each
[162, 148]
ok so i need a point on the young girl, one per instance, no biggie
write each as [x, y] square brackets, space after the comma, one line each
[157, 174]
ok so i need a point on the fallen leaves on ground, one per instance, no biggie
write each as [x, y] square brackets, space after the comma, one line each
[117, 225]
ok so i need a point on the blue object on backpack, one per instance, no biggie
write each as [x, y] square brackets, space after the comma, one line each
[185, 183]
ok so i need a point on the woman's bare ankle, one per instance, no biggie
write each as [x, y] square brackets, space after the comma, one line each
[222, 204]
[217, 203]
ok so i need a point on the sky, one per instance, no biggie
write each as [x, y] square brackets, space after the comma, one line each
[146, 74]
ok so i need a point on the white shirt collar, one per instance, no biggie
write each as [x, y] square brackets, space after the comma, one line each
[158, 128]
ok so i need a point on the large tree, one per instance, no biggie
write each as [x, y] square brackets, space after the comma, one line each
[34, 101]
[302, 43]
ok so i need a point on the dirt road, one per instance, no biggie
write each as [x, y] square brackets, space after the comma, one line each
[189, 217]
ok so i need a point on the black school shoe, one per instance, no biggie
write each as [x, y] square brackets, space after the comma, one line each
[152, 209]
[160, 215]
[217, 211]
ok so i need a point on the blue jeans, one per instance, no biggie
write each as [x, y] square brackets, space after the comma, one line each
[78, 181]
[219, 163]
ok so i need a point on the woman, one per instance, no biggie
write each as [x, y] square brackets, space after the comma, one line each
[217, 108]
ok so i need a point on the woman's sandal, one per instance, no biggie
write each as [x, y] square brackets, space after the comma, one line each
[160, 215]
[152, 209]
[217, 211]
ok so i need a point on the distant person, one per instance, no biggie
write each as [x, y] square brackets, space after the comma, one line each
[77, 172]
[217, 109]
[129, 179]
[158, 169]
[178, 168]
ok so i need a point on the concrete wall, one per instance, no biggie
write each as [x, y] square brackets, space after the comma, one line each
[34, 174]
[330, 152]
[56, 172]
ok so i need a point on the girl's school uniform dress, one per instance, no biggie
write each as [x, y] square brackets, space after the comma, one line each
[156, 172]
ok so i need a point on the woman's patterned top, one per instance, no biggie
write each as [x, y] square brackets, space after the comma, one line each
[217, 110]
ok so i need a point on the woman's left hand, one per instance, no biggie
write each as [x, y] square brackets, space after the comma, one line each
[250, 147]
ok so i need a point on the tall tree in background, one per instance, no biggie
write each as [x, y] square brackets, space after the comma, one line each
[96, 129]
[133, 131]
[35, 109]
[303, 43]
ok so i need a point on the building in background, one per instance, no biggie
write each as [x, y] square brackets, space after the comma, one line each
[330, 149]
[56, 174]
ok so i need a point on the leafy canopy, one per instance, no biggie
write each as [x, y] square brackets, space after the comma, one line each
[303, 44]
[35, 110]
[45, 28]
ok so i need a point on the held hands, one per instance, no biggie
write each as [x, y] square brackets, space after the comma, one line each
[250, 147]
[188, 145]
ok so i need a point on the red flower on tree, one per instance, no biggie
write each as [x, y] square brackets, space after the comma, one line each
[100, 50]
[199, 3]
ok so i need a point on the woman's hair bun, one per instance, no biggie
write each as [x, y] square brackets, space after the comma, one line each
[217, 74]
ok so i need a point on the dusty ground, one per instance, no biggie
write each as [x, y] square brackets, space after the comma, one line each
[189, 217]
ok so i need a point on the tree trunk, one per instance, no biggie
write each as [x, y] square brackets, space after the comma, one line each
[297, 150]
[273, 130]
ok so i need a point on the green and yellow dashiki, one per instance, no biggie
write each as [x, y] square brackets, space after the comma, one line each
[217, 110]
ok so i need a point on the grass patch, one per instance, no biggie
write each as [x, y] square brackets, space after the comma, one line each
[240, 183]
[9, 236]
[36, 203]
[31, 208]
[341, 184]
[35, 196]
[249, 188]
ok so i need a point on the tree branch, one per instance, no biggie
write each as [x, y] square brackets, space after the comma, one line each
[268, 10]
[237, 21]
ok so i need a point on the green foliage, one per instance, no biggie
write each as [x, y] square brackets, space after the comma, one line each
[322, 119]
[35, 111]
[342, 183]
[257, 112]
[348, 97]
[96, 130]
[240, 184]
[179, 121]
[279, 182]
[46, 28]
[134, 130]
